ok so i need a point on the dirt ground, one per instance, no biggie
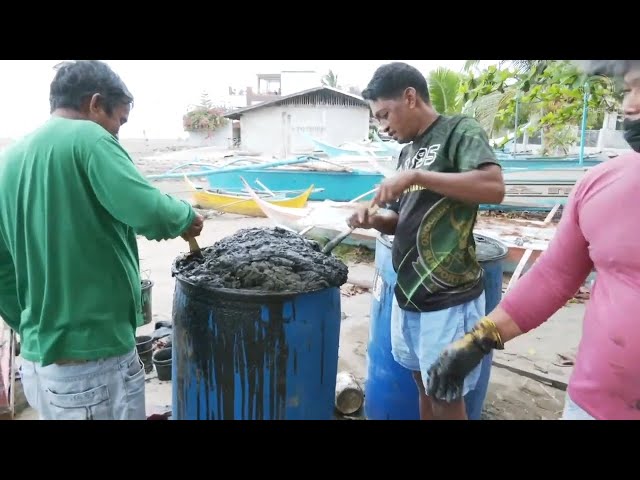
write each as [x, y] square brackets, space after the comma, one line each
[511, 396]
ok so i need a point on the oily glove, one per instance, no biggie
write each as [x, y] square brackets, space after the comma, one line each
[447, 374]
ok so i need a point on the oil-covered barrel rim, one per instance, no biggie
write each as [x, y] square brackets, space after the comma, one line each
[242, 293]
[387, 241]
[504, 251]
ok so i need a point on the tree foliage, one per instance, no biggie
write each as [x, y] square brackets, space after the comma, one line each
[550, 96]
[330, 80]
[444, 85]
[204, 116]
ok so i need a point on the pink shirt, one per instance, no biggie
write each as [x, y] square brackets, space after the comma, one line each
[600, 228]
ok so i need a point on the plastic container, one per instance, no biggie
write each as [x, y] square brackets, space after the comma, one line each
[162, 361]
[241, 354]
[390, 390]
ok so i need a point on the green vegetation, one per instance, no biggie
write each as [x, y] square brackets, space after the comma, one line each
[204, 116]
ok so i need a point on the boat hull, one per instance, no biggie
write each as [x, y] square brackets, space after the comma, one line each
[519, 235]
[243, 205]
[529, 187]
[336, 186]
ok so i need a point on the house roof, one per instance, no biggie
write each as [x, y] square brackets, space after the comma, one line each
[236, 114]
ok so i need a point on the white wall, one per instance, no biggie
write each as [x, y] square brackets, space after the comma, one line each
[277, 130]
[608, 138]
[293, 82]
[220, 138]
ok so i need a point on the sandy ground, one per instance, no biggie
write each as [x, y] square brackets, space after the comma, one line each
[511, 395]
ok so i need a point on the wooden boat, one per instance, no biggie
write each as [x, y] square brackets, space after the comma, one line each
[533, 195]
[338, 183]
[339, 186]
[324, 221]
[536, 189]
[509, 161]
[526, 189]
[518, 235]
[542, 162]
[321, 221]
[242, 203]
[374, 148]
[522, 192]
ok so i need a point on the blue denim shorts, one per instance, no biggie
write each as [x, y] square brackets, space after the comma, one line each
[417, 339]
[106, 389]
[573, 411]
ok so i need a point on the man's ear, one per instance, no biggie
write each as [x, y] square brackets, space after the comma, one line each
[95, 103]
[410, 97]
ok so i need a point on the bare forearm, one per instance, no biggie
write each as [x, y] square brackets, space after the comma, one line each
[385, 222]
[476, 186]
[507, 327]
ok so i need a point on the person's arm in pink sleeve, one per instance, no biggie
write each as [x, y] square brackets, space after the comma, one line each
[555, 277]
[552, 280]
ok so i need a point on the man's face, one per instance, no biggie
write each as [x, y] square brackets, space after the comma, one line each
[631, 100]
[396, 116]
[111, 123]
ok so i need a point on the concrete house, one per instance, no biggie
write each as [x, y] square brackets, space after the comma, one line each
[277, 125]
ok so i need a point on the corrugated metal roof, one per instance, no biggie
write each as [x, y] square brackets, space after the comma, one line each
[236, 114]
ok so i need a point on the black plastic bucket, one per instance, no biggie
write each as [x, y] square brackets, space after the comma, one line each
[144, 346]
[143, 343]
[147, 360]
[163, 363]
[147, 312]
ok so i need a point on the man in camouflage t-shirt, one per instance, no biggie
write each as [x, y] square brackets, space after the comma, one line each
[444, 173]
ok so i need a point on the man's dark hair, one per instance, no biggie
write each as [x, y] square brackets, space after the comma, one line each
[75, 81]
[391, 80]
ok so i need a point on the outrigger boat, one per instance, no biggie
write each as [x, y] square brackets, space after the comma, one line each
[519, 236]
[525, 190]
[241, 203]
[321, 220]
[325, 220]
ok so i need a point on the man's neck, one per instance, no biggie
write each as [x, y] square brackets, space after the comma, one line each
[426, 118]
[68, 113]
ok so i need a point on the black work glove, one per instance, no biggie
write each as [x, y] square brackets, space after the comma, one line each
[447, 374]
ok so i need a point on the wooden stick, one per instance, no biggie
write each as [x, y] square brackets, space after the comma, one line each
[345, 233]
[362, 196]
[306, 229]
[551, 214]
[194, 248]
[554, 382]
[265, 188]
[525, 257]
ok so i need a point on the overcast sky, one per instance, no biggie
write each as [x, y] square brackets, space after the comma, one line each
[163, 89]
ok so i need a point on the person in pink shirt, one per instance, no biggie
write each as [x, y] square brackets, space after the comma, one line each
[599, 230]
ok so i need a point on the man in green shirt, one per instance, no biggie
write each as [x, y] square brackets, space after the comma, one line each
[443, 174]
[71, 204]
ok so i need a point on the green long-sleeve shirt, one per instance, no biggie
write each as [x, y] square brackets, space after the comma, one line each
[71, 204]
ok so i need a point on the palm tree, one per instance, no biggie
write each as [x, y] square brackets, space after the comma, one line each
[443, 90]
[330, 80]
[551, 92]
[470, 65]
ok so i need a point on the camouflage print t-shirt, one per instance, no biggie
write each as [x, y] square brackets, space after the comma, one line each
[434, 249]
